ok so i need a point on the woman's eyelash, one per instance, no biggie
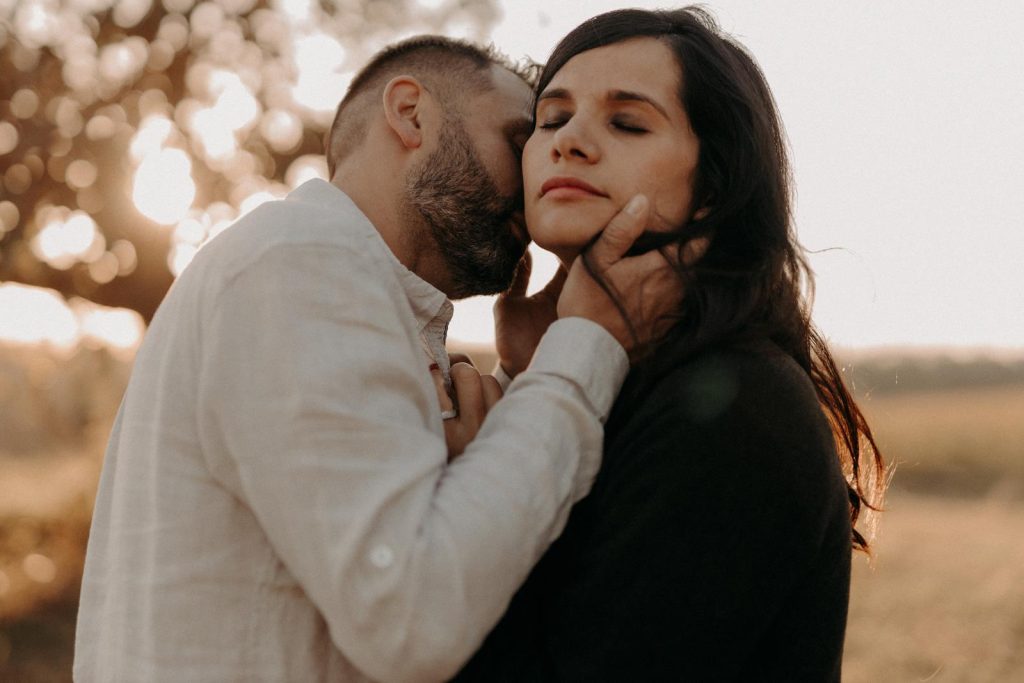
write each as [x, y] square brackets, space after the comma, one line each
[553, 124]
[628, 127]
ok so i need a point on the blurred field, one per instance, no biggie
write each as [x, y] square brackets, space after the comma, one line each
[945, 598]
[943, 601]
[957, 442]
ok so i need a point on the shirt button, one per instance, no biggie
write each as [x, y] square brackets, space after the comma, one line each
[382, 557]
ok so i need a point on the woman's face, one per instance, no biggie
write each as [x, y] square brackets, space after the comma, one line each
[609, 126]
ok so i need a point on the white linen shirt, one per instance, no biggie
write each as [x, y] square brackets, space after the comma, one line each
[276, 502]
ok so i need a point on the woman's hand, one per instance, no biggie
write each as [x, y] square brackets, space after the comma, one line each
[520, 320]
[474, 396]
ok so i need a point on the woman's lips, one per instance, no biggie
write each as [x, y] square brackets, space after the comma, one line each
[567, 187]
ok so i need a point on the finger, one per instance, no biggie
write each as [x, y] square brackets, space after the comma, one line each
[647, 264]
[652, 276]
[695, 250]
[620, 233]
[491, 390]
[521, 279]
[454, 358]
[554, 286]
[686, 254]
[468, 393]
[443, 398]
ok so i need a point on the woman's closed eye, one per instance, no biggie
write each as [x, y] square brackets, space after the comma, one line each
[552, 123]
[620, 124]
[628, 126]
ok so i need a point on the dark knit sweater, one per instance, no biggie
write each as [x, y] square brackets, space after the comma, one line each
[714, 546]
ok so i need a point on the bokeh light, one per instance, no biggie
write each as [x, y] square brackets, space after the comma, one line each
[17, 178]
[8, 137]
[39, 568]
[80, 173]
[127, 258]
[31, 315]
[321, 84]
[306, 168]
[24, 103]
[119, 330]
[9, 216]
[282, 130]
[164, 189]
[67, 237]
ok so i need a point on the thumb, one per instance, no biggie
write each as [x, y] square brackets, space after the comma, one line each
[620, 233]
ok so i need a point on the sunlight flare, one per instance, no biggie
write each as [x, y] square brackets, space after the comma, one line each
[164, 189]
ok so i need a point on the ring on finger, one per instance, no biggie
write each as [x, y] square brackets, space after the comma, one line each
[449, 414]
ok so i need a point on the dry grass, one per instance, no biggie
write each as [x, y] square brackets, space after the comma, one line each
[968, 442]
[944, 600]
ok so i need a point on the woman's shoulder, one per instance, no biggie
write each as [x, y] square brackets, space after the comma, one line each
[730, 382]
[735, 413]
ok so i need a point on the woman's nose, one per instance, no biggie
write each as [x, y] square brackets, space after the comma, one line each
[572, 143]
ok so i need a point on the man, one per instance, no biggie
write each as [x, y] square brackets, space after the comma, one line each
[276, 501]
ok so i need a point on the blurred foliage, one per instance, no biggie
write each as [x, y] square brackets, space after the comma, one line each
[50, 401]
[899, 373]
[131, 131]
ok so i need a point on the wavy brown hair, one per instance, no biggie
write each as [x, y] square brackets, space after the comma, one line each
[750, 282]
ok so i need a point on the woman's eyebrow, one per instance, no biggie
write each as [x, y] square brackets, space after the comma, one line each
[555, 94]
[612, 96]
[629, 96]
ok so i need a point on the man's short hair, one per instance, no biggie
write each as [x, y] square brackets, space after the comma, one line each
[451, 69]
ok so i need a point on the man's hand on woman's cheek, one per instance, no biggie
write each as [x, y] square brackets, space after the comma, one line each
[647, 288]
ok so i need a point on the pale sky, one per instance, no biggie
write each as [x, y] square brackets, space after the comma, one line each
[906, 125]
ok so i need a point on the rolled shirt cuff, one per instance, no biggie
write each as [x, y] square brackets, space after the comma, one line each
[586, 354]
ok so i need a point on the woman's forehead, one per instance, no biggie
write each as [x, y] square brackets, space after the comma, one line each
[626, 65]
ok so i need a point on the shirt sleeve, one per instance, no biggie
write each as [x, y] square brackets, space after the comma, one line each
[316, 410]
[499, 374]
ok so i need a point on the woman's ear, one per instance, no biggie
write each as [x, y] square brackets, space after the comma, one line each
[403, 101]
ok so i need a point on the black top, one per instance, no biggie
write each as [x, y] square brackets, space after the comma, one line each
[714, 546]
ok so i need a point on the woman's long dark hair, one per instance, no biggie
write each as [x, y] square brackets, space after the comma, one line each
[748, 284]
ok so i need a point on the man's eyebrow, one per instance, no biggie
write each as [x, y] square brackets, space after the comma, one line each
[628, 96]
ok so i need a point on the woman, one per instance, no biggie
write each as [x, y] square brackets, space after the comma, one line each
[716, 542]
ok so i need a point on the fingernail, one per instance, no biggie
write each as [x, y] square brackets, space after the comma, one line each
[434, 366]
[635, 205]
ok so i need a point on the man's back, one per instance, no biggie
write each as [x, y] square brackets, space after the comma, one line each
[178, 563]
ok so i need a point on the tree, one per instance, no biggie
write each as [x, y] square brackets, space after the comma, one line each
[131, 131]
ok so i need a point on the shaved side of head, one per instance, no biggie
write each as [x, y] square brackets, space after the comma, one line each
[452, 70]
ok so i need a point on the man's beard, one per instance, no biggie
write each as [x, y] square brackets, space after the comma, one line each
[469, 219]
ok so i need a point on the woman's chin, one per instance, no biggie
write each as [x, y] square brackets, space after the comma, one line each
[561, 236]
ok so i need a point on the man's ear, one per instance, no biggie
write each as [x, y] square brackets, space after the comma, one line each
[403, 107]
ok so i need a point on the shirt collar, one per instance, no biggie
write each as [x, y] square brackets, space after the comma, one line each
[429, 305]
